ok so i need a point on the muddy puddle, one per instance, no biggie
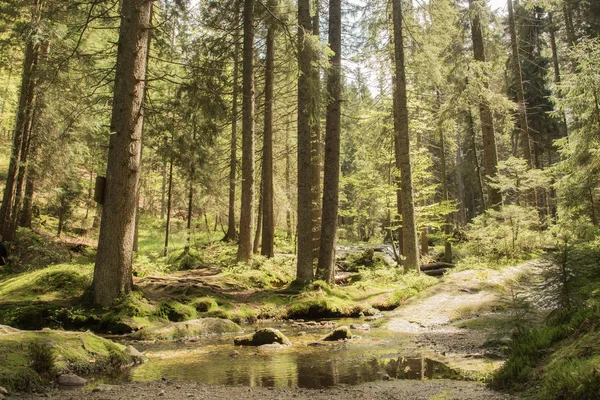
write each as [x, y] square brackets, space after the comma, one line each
[376, 354]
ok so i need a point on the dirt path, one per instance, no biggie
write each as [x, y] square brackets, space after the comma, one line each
[466, 319]
[405, 390]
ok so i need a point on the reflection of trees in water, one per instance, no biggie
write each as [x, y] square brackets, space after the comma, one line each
[314, 370]
[314, 375]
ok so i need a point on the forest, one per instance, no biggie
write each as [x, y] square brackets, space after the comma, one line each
[300, 199]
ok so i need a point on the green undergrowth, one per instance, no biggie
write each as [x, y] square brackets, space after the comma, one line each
[31, 359]
[61, 281]
[561, 358]
[319, 300]
[406, 286]
[261, 273]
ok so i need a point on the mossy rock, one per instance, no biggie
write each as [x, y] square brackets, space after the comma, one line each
[32, 358]
[341, 333]
[204, 304]
[262, 337]
[187, 329]
[176, 312]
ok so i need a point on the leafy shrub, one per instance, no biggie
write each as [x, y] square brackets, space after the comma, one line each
[510, 232]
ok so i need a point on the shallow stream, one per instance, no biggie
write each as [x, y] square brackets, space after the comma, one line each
[309, 362]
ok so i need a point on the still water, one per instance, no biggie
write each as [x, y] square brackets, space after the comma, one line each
[309, 363]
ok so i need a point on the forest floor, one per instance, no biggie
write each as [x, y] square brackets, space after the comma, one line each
[464, 321]
[385, 390]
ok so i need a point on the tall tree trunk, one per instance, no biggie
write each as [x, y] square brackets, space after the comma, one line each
[24, 111]
[139, 186]
[570, 29]
[479, 175]
[259, 221]
[163, 198]
[27, 213]
[112, 273]
[331, 179]
[398, 178]
[190, 208]
[304, 267]
[445, 197]
[231, 228]
[288, 185]
[316, 142]
[268, 221]
[564, 129]
[169, 205]
[409, 230]
[490, 156]
[518, 76]
[460, 183]
[247, 209]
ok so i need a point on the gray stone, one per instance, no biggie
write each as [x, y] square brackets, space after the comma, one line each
[135, 355]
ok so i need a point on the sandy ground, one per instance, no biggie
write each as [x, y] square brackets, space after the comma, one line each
[401, 390]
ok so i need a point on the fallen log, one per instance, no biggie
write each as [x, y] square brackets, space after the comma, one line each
[342, 277]
[436, 265]
[435, 272]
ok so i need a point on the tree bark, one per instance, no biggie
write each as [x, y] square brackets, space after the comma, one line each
[564, 129]
[190, 207]
[304, 267]
[247, 208]
[24, 111]
[112, 273]
[316, 141]
[331, 179]
[568, 15]
[409, 230]
[445, 197]
[231, 228]
[163, 198]
[518, 76]
[259, 218]
[169, 205]
[490, 155]
[288, 186]
[268, 221]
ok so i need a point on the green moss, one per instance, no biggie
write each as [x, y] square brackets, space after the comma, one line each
[30, 356]
[262, 337]
[410, 284]
[204, 304]
[241, 314]
[35, 316]
[55, 282]
[558, 360]
[175, 311]
[340, 333]
[320, 305]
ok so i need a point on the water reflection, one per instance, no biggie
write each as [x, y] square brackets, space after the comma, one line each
[286, 369]
[379, 354]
